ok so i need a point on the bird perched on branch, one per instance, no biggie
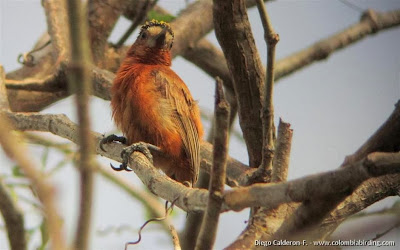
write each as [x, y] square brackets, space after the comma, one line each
[151, 104]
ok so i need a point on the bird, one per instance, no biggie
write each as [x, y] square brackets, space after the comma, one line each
[152, 105]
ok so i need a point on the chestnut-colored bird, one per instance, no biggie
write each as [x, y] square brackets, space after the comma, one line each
[151, 104]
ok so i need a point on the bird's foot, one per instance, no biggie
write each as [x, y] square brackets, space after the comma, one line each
[111, 138]
[126, 153]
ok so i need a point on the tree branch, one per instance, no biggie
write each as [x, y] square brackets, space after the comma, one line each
[209, 226]
[102, 16]
[13, 219]
[60, 125]
[79, 81]
[340, 182]
[233, 32]
[56, 23]
[271, 39]
[283, 146]
[265, 221]
[385, 139]
[269, 195]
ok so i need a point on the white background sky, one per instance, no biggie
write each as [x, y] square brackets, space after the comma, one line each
[333, 106]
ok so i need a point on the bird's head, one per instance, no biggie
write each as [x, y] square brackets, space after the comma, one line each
[153, 44]
[156, 35]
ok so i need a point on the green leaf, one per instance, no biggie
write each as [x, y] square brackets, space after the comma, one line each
[45, 157]
[45, 234]
[16, 171]
[152, 14]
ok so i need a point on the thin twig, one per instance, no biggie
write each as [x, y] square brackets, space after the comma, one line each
[271, 39]
[377, 236]
[139, 19]
[209, 226]
[352, 6]
[79, 80]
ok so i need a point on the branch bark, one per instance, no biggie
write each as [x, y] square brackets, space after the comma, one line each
[283, 146]
[271, 39]
[102, 16]
[265, 221]
[13, 219]
[233, 32]
[340, 182]
[56, 22]
[209, 226]
[79, 81]
[320, 186]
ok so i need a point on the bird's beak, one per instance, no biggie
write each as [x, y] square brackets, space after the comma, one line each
[158, 40]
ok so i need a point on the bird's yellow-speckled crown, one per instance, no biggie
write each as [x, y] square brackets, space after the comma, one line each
[157, 23]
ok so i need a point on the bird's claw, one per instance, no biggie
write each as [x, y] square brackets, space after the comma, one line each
[111, 138]
[126, 153]
[121, 167]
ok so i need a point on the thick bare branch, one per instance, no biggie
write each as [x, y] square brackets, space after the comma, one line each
[233, 31]
[189, 20]
[102, 16]
[385, 139]
[309, 215]
[56, 22]
[209, 226]
[340, 182]
[13, 219]
[60, 125]
[368, 193]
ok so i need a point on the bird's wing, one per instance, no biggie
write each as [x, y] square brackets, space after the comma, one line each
[184, 113]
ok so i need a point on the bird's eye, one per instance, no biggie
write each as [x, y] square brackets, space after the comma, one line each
[143, 35]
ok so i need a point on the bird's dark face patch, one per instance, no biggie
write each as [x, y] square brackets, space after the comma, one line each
[156, 34]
